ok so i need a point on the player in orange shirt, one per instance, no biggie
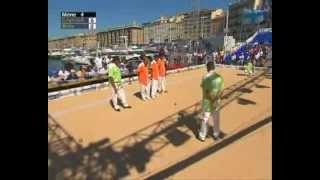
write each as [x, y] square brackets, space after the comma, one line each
[154, 78]
[144, 81]
[162, 61]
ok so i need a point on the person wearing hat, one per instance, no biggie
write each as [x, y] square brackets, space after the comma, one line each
[114, 76]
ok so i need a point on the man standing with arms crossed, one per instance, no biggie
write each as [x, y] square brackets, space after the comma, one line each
[114, 75]
[161, 61]
[212, 87]
[142, 71]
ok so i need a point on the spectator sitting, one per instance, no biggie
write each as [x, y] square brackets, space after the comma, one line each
[89, 72]
[92, 72]
[81, 73]
[72, 75]
[102, 71]
[63, 74]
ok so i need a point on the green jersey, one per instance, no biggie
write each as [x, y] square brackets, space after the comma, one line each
[212, 84]
[115, 73]
[249, 67]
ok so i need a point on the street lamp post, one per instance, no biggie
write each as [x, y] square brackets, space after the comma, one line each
[227, 28]
[170, 31]
[202, 20]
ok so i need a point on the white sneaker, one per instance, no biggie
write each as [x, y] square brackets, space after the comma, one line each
[202, 138]
[148, 98]
[203, 131]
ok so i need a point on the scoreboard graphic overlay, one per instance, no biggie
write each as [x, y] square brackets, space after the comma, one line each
[78, 20]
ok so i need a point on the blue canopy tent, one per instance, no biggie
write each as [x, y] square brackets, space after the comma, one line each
[53, 72]
[263, 38]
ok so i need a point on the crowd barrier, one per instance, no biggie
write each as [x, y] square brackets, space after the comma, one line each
[99, 86]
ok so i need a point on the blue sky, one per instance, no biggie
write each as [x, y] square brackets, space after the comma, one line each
[112, 13]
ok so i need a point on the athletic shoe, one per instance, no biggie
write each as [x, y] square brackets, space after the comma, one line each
[201, 138]
[127, 107]
[148, 98]
[221, 135]
[117, 110]
[203, 131]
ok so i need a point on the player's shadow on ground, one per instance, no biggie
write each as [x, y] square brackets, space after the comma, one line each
[119, 103]
[209, 151]
[138, 95]
[243, 101]
[191, 121]
[261, 86]
[245, 90]
[114, 160]
[241, 74]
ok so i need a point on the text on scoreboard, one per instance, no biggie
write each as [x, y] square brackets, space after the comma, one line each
[78, 20]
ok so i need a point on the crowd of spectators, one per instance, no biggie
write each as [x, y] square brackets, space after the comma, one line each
[258, 54]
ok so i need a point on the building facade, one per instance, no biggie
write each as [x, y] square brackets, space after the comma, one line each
[237, 28]
[166, 29]
[197, 25]
[126, 35]
[183, 26]
[204, 24]
[218, 23]
[76, 41]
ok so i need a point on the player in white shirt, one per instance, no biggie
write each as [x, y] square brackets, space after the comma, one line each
[63, 74]
[98, 62]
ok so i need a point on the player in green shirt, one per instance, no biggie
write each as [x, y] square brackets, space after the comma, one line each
[249, 68]
[212, 87]
[114, 75]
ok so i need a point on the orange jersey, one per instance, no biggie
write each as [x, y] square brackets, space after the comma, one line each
[162, 66]
[143, 74]
[154, 70]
